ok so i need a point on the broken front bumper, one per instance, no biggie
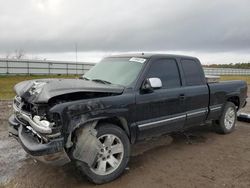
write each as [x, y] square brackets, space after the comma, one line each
[50, 152]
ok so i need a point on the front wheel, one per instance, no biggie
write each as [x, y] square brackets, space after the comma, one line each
[112, 157]
[226, 124]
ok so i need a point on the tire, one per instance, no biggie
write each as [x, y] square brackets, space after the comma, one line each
[98, 175]
[226, 123]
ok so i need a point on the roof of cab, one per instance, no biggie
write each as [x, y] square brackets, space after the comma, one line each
[149, 55]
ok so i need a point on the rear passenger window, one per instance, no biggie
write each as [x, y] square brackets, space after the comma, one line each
[167, 71]
[192, 72]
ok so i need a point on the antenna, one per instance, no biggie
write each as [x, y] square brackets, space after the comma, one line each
[76, 56]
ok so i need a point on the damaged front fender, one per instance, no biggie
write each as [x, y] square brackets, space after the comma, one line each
[74, 114]
[77, 116]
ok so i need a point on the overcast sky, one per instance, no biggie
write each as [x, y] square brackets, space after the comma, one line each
[217, 31]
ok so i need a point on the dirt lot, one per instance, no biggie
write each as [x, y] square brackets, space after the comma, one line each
[210, 160]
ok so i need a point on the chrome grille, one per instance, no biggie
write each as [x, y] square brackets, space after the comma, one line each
[18, 108]
[18, 102]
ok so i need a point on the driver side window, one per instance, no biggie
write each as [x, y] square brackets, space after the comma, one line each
[167, 71]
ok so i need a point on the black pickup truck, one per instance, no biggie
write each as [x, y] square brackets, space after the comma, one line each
[92, 121]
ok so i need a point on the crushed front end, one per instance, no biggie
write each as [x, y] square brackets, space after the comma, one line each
[39, 133]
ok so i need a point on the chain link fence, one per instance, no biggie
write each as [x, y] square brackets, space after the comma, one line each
[40, 67]
[226, 71]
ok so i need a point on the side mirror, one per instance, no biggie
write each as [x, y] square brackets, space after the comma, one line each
[152, 83]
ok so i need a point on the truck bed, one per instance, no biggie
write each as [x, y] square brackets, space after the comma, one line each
[221, 91]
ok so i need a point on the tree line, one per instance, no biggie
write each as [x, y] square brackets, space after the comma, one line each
[20, 54]
[231, 65]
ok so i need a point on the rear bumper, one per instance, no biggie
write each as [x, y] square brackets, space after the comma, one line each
[49, 152]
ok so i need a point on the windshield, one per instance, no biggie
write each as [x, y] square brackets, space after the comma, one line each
[120, 71]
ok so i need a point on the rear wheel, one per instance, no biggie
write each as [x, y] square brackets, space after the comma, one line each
[226, 124]
[112, 157]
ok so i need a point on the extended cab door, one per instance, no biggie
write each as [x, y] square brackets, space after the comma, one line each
[196, 92]
[161, 110]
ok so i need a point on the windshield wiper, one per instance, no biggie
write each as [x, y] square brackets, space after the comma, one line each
[101, 81]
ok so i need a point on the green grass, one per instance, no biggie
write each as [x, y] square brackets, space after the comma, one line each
[7, 82]
[245, 78]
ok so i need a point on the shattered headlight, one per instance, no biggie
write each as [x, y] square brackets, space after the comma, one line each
[37, 88]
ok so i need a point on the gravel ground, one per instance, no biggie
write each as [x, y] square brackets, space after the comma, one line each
[11, 153]
[206, 160]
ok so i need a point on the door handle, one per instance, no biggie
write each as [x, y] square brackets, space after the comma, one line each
[182, 97]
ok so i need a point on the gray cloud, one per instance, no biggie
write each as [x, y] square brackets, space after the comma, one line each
[42, 26]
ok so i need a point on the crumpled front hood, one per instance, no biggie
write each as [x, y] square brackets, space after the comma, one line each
[41, 90]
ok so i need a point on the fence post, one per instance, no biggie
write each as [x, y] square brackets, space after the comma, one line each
[7, 66]
[67, 65]
[76, 68]
[28, 68]
[49, 67]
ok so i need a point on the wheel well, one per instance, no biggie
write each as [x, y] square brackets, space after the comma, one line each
[234, 100]
[120, 122]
